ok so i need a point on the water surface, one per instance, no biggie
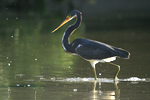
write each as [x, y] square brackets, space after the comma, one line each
[33, 64]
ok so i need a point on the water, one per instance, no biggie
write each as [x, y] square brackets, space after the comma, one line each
[34, 66]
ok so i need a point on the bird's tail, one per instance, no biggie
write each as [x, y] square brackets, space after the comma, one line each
[122, 53]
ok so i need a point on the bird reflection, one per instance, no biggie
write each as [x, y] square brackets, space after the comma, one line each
[104, 94]
[95, 92]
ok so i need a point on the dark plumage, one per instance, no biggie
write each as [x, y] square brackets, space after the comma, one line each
[96, 50]
[92, 51]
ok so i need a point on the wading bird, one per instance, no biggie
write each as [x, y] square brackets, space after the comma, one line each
[90, 50]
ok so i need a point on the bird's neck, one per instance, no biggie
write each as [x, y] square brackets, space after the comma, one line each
[69, 31]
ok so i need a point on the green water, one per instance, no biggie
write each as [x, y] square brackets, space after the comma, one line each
[34, 66]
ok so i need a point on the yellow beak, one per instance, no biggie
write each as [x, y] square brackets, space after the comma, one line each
[65, 21]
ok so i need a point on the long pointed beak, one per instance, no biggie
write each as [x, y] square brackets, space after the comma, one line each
[61, 24]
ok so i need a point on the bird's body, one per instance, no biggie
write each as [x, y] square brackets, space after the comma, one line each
[94, 49]
[90, 50]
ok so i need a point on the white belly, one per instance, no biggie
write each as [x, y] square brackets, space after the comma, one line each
[108, 59]
[95, 61]
[102, 60]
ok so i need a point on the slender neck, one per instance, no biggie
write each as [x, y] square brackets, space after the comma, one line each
[69, 31]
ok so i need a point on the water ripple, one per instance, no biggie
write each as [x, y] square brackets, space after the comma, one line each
[105, 80]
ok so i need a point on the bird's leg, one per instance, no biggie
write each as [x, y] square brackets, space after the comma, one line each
[118, 69]
[95, 73]
[93, 65]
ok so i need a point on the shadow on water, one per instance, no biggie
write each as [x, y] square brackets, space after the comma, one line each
[33, 64]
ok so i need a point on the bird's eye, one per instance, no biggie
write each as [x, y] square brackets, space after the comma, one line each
[69, 16]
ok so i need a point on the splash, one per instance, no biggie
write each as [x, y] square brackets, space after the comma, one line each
[105, 80]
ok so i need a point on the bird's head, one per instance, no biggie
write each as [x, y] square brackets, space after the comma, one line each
[69, 17]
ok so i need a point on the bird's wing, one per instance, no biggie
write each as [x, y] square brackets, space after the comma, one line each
[93, 53]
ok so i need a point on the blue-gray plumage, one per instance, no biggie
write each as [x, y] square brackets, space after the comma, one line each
[92, 51]
[96, 50]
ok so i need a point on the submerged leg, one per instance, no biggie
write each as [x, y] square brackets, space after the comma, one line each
[93, 65]
[118, 69]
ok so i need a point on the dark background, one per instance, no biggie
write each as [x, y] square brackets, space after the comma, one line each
[97, 14]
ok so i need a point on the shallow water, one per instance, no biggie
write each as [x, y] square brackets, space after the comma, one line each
[33, 65]
[77, 88]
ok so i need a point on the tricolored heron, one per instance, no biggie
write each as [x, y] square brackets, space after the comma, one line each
[90, 50]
